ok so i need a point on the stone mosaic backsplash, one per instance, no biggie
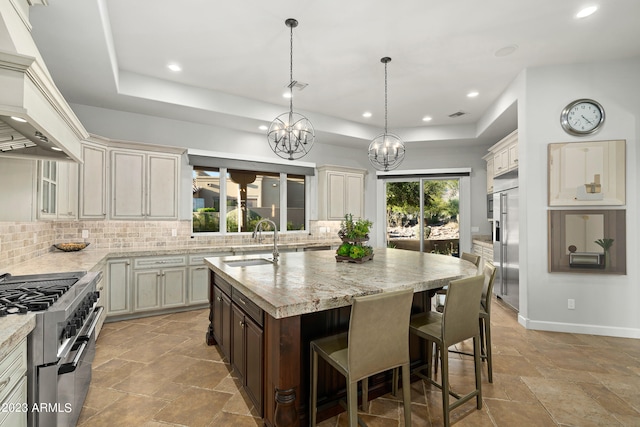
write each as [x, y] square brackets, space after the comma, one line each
[22, 241]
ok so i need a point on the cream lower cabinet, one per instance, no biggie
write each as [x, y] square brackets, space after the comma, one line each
[157, 289]
[485, 252]
[159, 282]
[13, 387]
[198, 289]
[118, 287]
[340, 191]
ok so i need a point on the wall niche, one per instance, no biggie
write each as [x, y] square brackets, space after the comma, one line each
[587, 241]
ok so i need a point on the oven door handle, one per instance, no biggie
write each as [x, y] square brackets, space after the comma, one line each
[98, 312]
[67, 368]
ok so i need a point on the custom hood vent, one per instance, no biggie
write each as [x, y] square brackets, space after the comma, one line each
[35, 119]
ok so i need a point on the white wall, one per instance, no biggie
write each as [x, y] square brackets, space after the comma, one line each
[605, 304]
[154, 130]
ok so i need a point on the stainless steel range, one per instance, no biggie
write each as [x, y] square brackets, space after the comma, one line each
[61, 348]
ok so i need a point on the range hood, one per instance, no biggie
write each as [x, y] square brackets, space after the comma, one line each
[35, 120]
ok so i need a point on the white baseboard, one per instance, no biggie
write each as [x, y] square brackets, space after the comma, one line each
[576, 328]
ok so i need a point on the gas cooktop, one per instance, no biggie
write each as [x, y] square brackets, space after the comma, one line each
[21, 294]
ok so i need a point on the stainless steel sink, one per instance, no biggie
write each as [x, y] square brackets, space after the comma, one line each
[248, 262]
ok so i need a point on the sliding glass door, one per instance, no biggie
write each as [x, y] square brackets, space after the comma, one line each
[423, 214]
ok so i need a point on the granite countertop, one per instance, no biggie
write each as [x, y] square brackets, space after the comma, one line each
[13, 329]
[94, 259]
[483, 240]
[306, 282]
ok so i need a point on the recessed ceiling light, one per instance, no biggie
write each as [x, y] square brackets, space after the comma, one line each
[56, 149]
[473, 94]
[427, 118]
[587, 11]
[506, 51]
[263, 127]
[366, 114]
[174, 67]
[286, 95]
[18, 119]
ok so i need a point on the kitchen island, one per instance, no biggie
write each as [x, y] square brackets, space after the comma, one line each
[264, 315]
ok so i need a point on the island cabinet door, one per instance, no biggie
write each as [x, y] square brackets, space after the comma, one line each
[237, 341]
[222, 321]
[254, 360]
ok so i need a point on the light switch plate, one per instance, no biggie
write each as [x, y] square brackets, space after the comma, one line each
[85, 234]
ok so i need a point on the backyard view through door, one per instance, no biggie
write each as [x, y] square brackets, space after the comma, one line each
[422, 215]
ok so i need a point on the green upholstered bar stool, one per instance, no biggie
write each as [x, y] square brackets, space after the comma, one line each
[458, 322]
[377, 341]
[440, 295]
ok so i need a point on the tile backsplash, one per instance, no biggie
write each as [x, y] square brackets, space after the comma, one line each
[22, 241]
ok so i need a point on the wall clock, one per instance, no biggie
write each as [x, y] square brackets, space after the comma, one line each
[582, 117]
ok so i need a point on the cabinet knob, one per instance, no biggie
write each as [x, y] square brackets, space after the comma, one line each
[241, 324]
[219, 299]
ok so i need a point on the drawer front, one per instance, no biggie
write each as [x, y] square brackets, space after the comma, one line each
[248, 306]
[199, 259]
[13, 368]
[160, 262]
[16, 405]
[222, 284]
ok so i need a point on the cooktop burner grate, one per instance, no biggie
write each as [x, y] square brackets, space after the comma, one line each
[22, 297]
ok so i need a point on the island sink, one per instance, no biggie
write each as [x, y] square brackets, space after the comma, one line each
[248, 262]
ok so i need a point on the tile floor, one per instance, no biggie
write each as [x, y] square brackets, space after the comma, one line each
[157, 371]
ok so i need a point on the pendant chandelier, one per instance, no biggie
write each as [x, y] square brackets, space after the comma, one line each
[386, 150]
[291, 135]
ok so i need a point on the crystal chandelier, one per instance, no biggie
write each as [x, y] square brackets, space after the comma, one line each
[291, 134]
[386, 150]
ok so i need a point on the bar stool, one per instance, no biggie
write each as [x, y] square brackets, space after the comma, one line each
[378, 340]
[485, 319]
[458, 322]
[440, 295]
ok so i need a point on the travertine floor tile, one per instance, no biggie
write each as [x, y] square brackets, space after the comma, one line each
[159, 372]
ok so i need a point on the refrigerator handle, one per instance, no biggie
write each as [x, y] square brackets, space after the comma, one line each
[503, 243]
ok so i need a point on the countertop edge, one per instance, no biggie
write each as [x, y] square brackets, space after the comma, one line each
[13, 329]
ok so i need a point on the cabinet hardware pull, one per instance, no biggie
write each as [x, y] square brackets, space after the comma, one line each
[219, 299]
[4, 383]
[240, 299]
[241, 323]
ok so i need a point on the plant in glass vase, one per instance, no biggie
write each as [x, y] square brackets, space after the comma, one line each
[605, 244]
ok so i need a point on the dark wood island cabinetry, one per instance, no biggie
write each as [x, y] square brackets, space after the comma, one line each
[263, 317]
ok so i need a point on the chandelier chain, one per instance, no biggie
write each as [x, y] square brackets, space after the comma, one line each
[291, 69]
[385, 97]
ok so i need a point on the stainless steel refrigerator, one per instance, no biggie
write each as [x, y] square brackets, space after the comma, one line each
[506, 240]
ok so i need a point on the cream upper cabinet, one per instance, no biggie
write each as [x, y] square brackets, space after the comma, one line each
[489, 159]
[93, 182]
[340, 191]
[144, 185]
[58, 190]
[505, 154]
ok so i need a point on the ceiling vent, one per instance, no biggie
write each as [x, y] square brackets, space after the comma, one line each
[457, 114]
[297, 85]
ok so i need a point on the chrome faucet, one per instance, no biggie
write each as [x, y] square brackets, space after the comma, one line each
[258, 229]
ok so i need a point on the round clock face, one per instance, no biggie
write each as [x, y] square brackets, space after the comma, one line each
[582, 117]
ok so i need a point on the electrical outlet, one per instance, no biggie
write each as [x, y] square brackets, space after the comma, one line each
[174, 232]
[571, 304]
[35, 238]
[475, 229]
[85, 234]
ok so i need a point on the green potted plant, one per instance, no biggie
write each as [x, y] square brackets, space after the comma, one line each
[353, 234]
